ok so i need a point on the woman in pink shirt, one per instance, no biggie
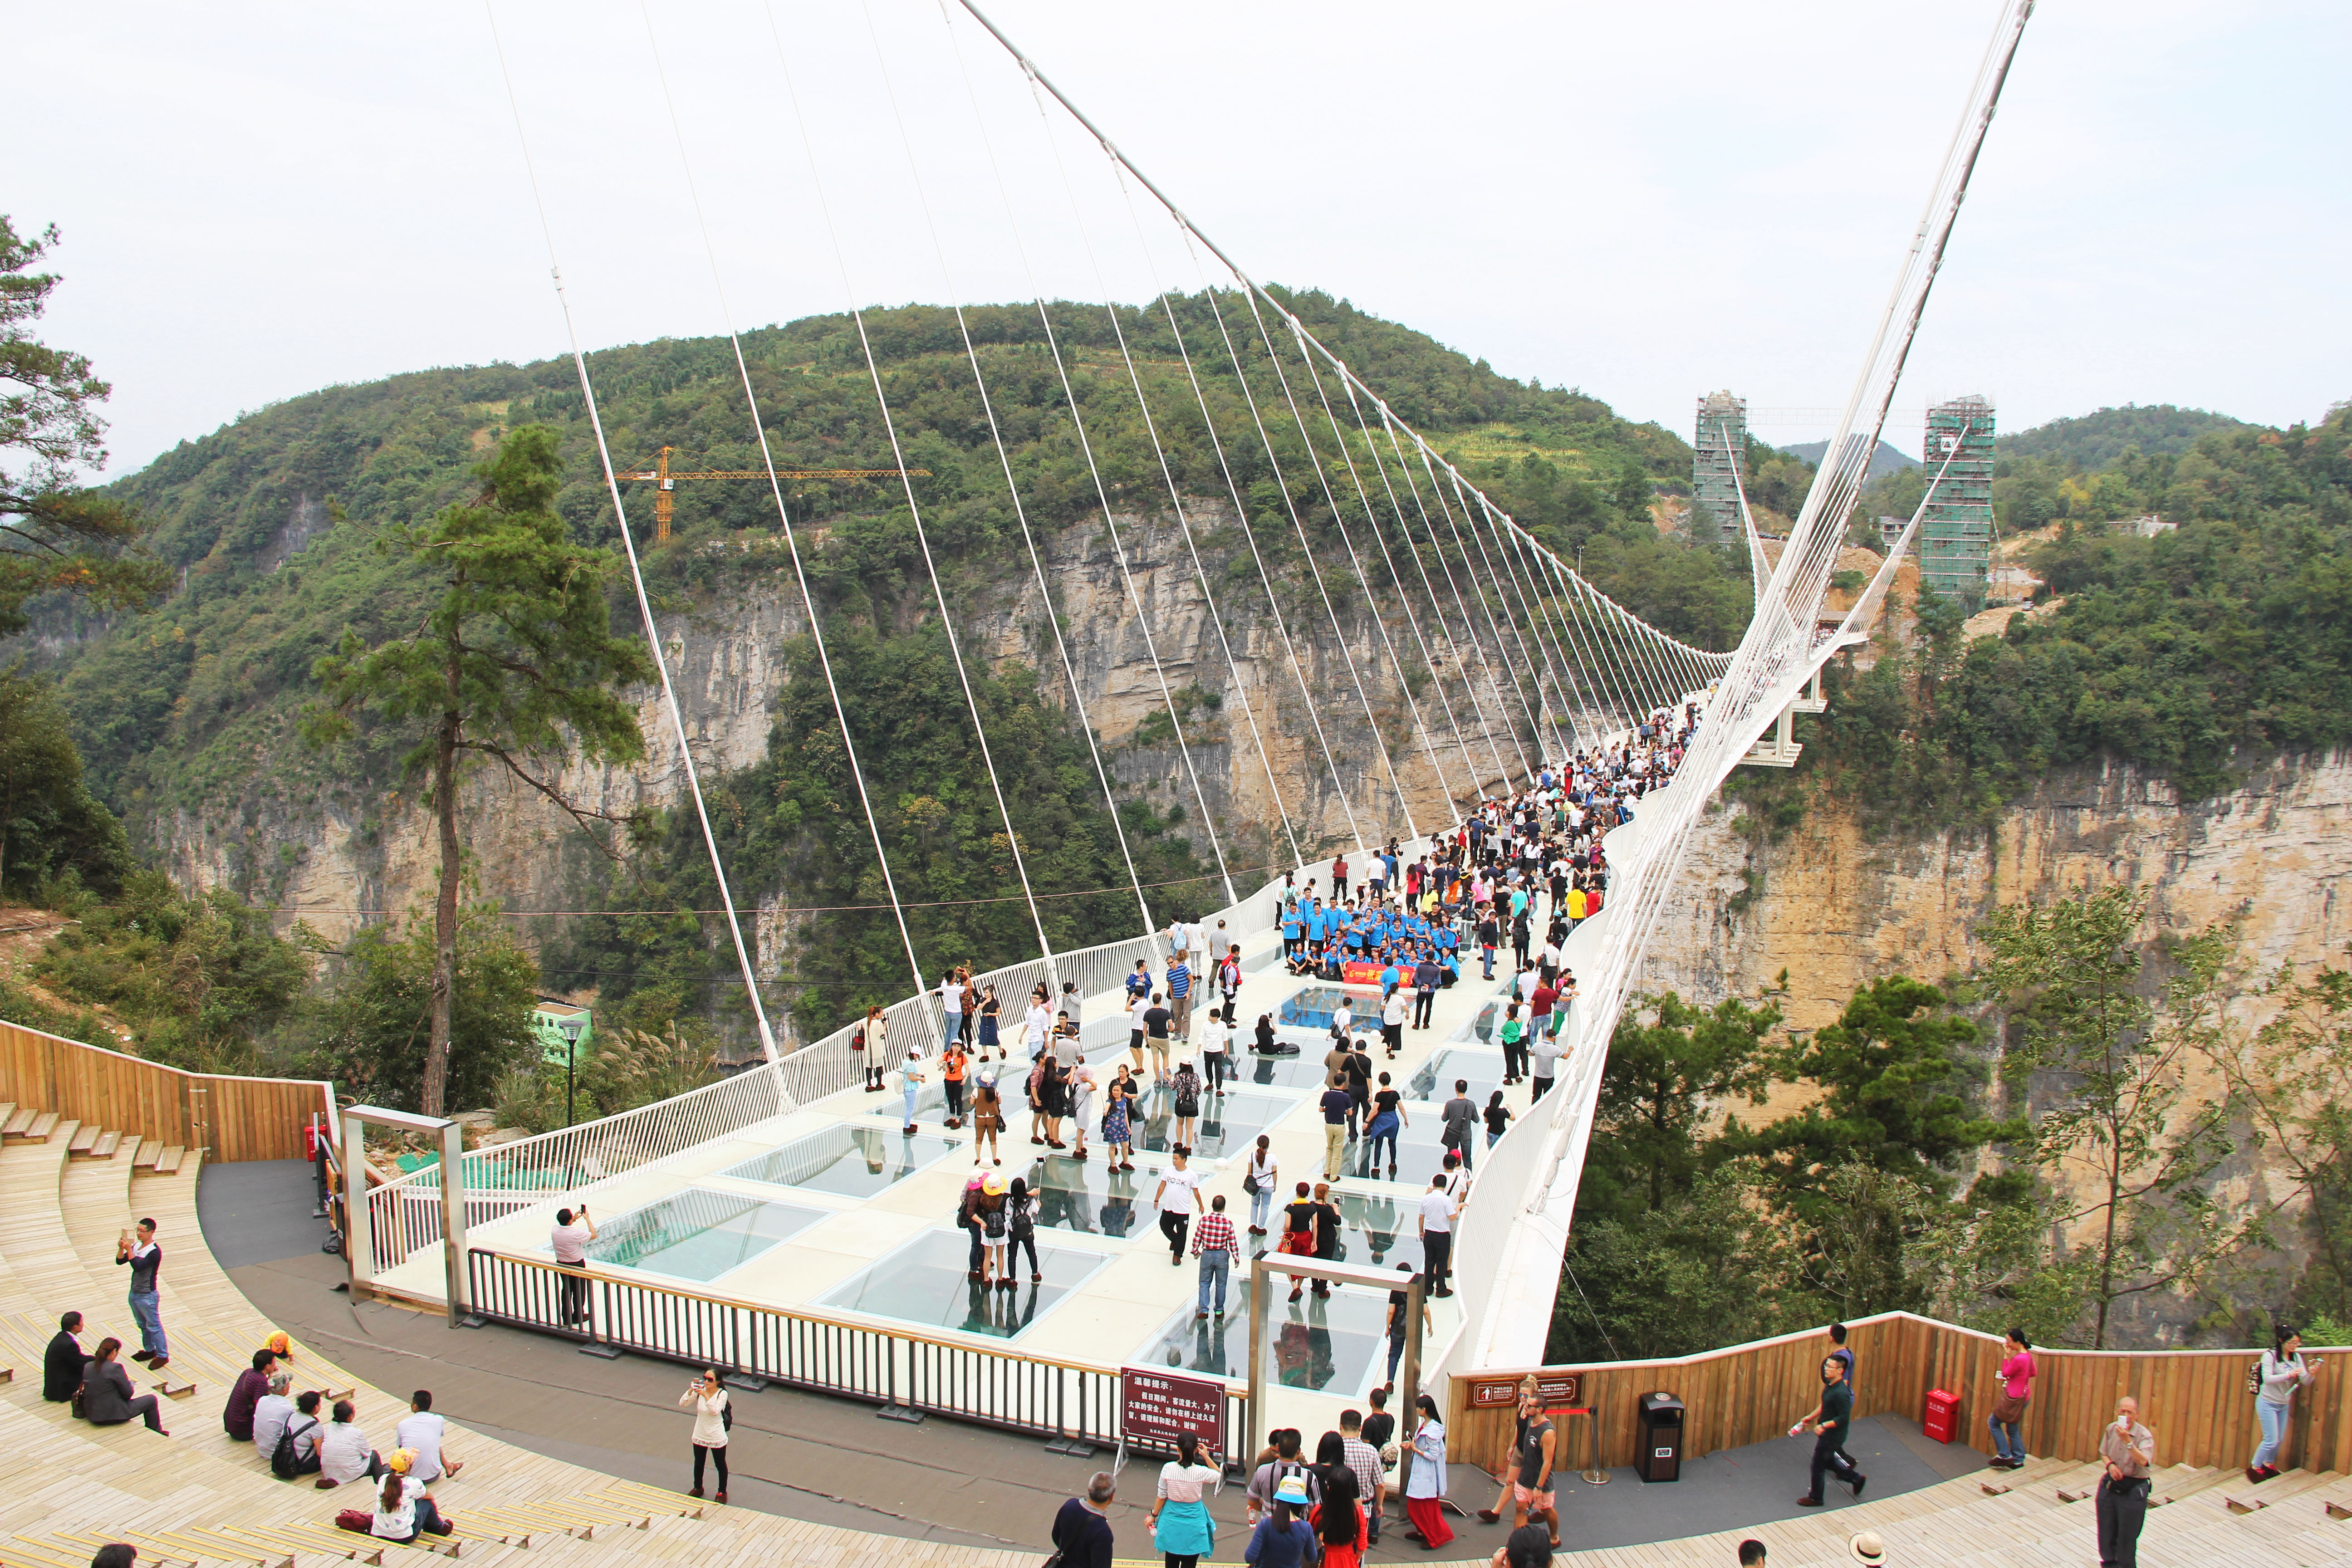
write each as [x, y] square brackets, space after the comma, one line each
[2017, 1387]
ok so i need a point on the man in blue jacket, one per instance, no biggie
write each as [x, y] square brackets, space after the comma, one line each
[1082, 1530]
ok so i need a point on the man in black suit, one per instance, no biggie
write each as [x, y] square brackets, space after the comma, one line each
[65, 1362]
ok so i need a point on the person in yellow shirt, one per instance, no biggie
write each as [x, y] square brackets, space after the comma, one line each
[1575, 908]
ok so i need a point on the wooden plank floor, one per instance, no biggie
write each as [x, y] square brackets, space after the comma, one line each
[58, 1224]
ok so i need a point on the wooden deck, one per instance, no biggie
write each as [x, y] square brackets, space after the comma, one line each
[196, 1500]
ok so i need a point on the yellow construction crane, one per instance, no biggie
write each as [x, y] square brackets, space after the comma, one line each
[665, 481]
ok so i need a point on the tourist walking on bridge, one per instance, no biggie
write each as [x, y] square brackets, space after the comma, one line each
[2016, 1390]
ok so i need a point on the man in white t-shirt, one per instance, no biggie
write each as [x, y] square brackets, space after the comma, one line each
[1437, 1234]
[422, 1432]
[1135, 1012]
[1217, 1048]
[1176, 1197]
[569, 1240]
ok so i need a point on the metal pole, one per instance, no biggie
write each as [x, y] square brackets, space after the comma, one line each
[1257, 1355]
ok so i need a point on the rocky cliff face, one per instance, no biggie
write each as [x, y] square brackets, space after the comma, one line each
[1270, 769]
[1836, 909]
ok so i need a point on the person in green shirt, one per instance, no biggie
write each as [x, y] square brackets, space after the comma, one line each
[1831, 1418]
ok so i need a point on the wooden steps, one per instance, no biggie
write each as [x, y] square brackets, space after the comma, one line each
[149, 1152]
[29, 1126]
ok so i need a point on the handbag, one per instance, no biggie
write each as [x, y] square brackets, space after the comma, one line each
[2007, 1409]
[358, 1521]
[1249, 1185]
[1297, 1243]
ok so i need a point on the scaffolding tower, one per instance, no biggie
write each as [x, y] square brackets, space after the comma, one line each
[1720, 448]
[1955, 546]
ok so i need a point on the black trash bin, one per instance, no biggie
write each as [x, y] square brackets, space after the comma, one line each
[1660, 1428]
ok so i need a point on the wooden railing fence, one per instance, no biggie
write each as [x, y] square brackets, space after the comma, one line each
[229, 1118]
[2195, 1401]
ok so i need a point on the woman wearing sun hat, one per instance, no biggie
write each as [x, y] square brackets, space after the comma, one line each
[1868, 1548]
[1283, 1538]
[994, 1229]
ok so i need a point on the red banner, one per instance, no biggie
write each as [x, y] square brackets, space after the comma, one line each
[1360, 974]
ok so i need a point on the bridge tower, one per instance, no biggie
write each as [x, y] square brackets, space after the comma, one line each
[1716, 469]
[1955, 534]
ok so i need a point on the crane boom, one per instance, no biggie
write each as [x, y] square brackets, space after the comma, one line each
[665, 497]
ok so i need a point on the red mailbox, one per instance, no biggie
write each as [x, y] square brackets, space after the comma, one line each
[1943, 1422]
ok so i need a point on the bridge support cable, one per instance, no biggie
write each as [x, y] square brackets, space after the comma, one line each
[1405, 598]
[1502, 655]
[1531, 678]
[808, 599]
[1771, 666]
[1571, 615]
[1544, 627]
[1372, 601]
[637, 583]
[1102, 494]
[1503, 582]
[1323, 481]
[1249, 533]
[1298, 526]
[1520, 577]
[1241, 515]
[1437, 610]
[914, 506]
[1028, 535]
[1643, 647]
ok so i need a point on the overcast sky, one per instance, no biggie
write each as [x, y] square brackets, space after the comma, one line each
[1646, 201]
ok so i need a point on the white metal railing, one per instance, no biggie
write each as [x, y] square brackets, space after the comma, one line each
[507, 1179]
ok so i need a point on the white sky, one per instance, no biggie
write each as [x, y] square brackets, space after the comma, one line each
[1647, 201]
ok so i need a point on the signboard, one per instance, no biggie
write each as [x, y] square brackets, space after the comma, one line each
[1558, 1391]
[1155, 1407]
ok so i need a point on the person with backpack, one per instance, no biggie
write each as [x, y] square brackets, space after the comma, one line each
[1282, 1468]
[1187, 1090]
[712, 1418]
[987, 1117]
[994, 1225]
[294, 1452]
[1021, 1231]
[2273, 1380]
[272, 1414]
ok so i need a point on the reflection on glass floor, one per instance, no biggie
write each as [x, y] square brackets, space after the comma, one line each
[1311, 1008]
[927, 1282]
[1483, 1070]
[1336, 1343]
[1086, 1196]
[698, 1235]
[1304, 1071]
[851, 1161]
[1226, 1126]
[1419, 1154]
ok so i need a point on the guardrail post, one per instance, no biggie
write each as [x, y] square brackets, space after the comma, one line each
[599, 1339]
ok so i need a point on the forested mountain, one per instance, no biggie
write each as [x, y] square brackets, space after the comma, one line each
[2094, 440]
[188, 715]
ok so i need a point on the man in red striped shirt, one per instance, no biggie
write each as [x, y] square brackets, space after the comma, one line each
[1213, 1244]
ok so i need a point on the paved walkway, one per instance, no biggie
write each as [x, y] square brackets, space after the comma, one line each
[833, 1462]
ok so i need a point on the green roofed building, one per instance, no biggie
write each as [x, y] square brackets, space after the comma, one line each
[1955, 545]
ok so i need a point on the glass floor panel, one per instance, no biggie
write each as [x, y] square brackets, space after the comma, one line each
[849, 1161]
[1419, 1156]
[1304, 1071]
[1336, 1343]
[1086, 1196]
[1434, 1082]
[1312, 1007]
[698, 1235]
[1226, 1126]
[928, 1281]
